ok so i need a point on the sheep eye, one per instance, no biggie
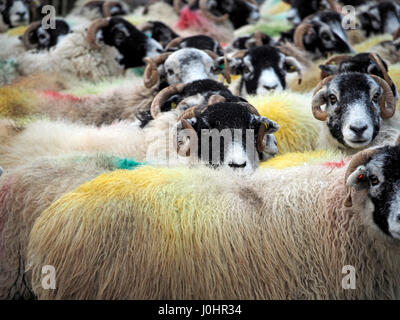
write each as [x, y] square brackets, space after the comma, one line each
[332, 99]
[325, 37]
[376, 98]
[246, 69]
[170, 72]
[374, 180]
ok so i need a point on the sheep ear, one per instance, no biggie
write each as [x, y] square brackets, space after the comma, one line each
[329, 69]
[271, 126]
[358, 179]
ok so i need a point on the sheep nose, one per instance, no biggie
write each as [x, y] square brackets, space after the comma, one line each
[358, 130]
[271, 87]
[21, 14]
[237, 166]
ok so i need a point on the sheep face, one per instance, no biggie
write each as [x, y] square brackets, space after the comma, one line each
[187, 65]
[240, 12]
[201, 42]
[247, 42]
[159, 32]
[380, 18]
[263, 69]
[380, 177]
[40, 38]
[132, 44]
[352, 105]
[15, 12]
[227, 135]
[326, 35]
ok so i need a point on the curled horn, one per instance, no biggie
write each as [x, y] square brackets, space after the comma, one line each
[93, 28]
[301, 29]
[216, 98]
[188, 114]
[151, 73]
[318, 100]
[209, 15]
[163, 96]
[258, 35]
[240, 54]
[211, 54]
[338, 59]
[396, 35]
[334, 6]
[227, 73]
[174, 42]
[377, 59]
[107, 7]
[387, 103]
[358, 160]
[25, 38]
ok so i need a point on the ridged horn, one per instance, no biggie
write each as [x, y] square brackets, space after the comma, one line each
[163, 96]
[318, 100]
[150, 78]
[25, 38]
[387, 103]
[209, 15]
[258, 35]
[174, 42]
[93, 28]
[301, 29]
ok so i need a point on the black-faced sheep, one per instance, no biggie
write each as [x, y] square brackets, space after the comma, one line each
[15, 13]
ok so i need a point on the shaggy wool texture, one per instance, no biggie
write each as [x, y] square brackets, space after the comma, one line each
[292, 111]
[366, 45]
[295, 159]
[16, 102]
[394, 73]
[159, 233]
[310, 79]
[27, 191]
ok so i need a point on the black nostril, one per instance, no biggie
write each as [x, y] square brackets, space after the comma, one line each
[21, 14]
[398, 218]
[271, 88]
[359, 130]
[237, 166]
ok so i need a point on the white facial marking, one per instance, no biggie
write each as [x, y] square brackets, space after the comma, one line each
[358, 127]
[19, 14]
[268, 81]
[293, 16]
[392, 23]
[153, 48]
[237, 159]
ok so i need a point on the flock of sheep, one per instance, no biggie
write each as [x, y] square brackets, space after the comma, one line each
[111, 172]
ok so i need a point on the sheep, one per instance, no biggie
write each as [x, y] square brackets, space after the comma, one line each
[158, 31]
[81, 55]
[284, 234]
[153, 143]
[15, 13]
[27, 191]
[360, 111]
[321, 34]
[259, 75]
[202, 42]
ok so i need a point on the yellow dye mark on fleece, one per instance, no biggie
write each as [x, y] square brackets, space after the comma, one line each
[295, 159]
[366, 45]
[17, 31]
[16, 102]
[292, 111]
[394, 73]
[279, 8]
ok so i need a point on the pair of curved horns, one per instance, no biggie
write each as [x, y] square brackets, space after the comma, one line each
[387, 103]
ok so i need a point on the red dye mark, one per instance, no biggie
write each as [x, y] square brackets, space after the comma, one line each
[60, 96]
[330, 164]
[189, 18]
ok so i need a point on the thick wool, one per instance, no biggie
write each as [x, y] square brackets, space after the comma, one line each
[369, 43]
[311, 77]
[16, 102]
[27, 191]
[204, 234]
[394, 73]
[11, 46]
[159, 11]
[124, 139]
[74, 58]
[292, 111]
[295, 159]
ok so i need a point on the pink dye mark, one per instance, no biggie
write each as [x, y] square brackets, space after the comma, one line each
[189, 18]
[60, 96]
[334, 164]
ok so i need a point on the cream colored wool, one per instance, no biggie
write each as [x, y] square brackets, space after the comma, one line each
[205, 234]
[74, 58]
[24, 193]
